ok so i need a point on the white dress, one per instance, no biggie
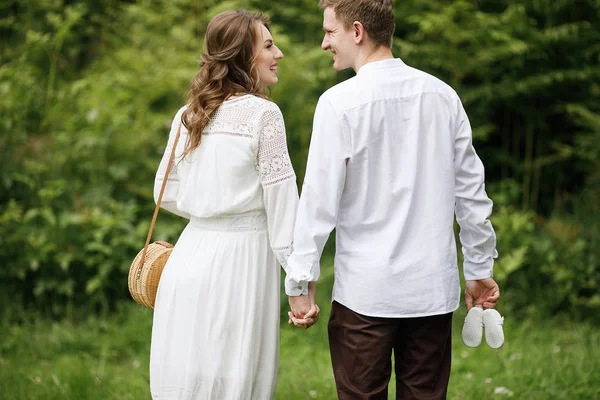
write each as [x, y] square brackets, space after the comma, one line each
[215, 333]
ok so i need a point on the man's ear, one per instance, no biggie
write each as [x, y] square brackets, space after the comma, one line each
[359, 32]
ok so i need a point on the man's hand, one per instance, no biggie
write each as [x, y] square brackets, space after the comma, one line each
[299, 305]
[309, 318]
[481, 293]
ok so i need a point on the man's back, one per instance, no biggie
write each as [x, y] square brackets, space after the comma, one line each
[399, 134]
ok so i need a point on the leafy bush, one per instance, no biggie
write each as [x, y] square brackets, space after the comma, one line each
[549, 266]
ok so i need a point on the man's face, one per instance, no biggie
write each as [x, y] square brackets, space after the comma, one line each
[339, 41]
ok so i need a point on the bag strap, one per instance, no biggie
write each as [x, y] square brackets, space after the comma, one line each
[158, 202]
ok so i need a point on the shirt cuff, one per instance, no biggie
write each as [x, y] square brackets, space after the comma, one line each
[293, 288]
[301, 270]
[475, 272]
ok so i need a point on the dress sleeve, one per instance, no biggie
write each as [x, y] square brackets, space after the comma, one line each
[278, 180]
[472, 206]
[169, 200]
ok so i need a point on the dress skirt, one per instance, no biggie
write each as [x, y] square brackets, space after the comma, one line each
[215, 332]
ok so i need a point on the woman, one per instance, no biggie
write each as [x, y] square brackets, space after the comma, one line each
[216, 319]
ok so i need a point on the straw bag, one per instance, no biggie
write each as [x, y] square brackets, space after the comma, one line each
[146, 268]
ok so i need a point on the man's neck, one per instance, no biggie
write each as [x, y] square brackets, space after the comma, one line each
[378, 54]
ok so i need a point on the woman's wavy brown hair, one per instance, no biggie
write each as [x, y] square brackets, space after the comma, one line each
[227, 68]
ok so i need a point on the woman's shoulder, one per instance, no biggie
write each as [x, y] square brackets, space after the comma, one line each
[261, 107]
[254, 101]
[267, 106]
[177, 119]
[180, 112]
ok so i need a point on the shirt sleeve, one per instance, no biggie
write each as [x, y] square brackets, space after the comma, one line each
[324, 180]
[472, 205]
[278, 180]
[169, 200]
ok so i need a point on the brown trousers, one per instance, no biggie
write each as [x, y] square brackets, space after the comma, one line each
[361, 350]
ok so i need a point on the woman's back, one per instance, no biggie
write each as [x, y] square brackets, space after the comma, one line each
[243, 149]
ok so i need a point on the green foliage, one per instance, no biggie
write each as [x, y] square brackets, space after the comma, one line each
[522, 68]
[548, 266]
[76, 185]
[88, 90]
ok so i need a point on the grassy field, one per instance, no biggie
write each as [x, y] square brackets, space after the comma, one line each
[108, 359]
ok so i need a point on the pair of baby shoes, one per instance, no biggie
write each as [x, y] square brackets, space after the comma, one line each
[479, 319]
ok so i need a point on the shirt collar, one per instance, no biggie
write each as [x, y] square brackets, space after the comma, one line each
[374, 65]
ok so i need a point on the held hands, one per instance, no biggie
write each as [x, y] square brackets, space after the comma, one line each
[482, 293]
[304, 311]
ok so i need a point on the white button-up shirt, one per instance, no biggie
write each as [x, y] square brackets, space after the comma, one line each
[391, 161]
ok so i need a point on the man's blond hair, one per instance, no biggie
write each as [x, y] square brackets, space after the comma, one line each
[377, 16]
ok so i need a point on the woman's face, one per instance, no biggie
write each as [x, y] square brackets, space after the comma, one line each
[267, 57]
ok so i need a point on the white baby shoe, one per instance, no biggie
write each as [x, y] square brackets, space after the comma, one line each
[492, 323]
[473, 328]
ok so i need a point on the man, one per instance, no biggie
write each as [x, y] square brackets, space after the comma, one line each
[391, 162]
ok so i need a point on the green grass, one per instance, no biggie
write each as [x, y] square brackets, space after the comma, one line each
[108, 359]
[539, 360]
